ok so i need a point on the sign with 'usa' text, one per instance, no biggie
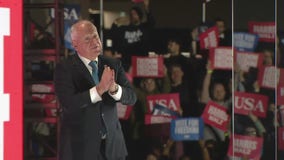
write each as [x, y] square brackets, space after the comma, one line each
[250, 102]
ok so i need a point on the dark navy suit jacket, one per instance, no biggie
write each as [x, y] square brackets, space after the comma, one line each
[81, 120]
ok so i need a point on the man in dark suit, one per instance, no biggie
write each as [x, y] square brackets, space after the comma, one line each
[88, 85]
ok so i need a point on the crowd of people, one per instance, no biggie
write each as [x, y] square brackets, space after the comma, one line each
[197, 83]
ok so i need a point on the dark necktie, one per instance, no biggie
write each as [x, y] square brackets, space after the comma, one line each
[95, 76]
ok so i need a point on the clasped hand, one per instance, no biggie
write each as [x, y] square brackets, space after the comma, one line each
[107, 82]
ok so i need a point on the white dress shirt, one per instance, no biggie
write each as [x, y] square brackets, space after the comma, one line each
[94, 95]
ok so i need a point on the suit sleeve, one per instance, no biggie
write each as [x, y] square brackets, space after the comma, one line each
[128, 96]
[69, 98]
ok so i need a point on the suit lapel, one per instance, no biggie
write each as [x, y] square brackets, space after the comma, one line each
[81, 68]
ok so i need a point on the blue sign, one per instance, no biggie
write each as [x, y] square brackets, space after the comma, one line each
[71, 15]
[245, 41]
[162, 110]
[187, 129]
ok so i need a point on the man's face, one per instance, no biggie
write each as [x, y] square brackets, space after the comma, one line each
[134, 17]
[176, 74]
[268, 58]
[221, 26]
[86, 41]
[173, 48]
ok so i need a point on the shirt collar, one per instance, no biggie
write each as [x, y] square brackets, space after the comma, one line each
[86, 61]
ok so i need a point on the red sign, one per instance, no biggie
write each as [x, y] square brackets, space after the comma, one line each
[11, 80]
[209, 38]
[216, 115]
[267, 77]
[280, 138]
[245, 146]
[157, 119]
[265, 30]
[148, 66]
[169, 101]
[246, 102]
[221, 58]
[43, 90]
[280, 87]
[123, 111]
[246, 60]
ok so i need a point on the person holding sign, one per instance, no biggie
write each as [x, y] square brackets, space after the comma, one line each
[218, 92]
[225, 35]
[88, 85]
[187, 96]
[148, 86]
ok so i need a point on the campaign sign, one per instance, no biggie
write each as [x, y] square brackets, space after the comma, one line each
[71, 15]
[163, 110]
[245, 60]
[221, 58]
[169, 101]
[187, 129]
[245, 41]
[280, 87]
[280, 138]
[246, 102]
[209, 38]
[266, 77]
[148, 66]
[123, 111]
[216, 115]
[245, 146]
[265, 30]
[157, 119]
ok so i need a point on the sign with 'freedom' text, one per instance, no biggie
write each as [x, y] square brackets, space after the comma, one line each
[187, 129]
